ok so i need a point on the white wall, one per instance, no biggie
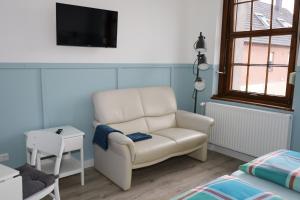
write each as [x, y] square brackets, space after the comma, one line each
[150, 31]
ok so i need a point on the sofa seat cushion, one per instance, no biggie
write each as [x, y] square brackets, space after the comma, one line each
[153, 149]
[185, 139]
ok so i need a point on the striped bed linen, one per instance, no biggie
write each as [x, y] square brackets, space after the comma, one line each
[281, 167]
[227, 188]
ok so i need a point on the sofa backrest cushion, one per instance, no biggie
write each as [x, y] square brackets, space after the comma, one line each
[138, 125]
[117, 106]
[158, 101]
[161, 122]
[123, 109]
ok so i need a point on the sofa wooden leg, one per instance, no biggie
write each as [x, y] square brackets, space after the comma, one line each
[200, 154]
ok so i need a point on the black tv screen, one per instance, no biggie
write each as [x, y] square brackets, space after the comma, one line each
[82, 26]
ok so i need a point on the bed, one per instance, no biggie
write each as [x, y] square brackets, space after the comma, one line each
[273, 176]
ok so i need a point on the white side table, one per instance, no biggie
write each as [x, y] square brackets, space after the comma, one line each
[10, 184]
[73, 140]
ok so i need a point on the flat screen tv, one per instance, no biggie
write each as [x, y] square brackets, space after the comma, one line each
[88, 27]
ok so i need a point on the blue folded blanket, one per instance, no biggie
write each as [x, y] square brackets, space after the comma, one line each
[139, 136]
[101, 135]
[102, 132]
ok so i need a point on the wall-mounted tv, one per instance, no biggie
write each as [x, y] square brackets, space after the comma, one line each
[82, 26]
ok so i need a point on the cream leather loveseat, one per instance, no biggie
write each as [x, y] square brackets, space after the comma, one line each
[150, 110]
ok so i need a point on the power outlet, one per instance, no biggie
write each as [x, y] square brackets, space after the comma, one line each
[4, 157]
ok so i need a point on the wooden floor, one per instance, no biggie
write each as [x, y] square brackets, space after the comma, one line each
[161, 181]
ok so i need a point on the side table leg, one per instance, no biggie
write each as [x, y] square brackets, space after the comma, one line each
[82, 166]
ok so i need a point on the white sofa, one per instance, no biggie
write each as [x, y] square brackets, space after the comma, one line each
[150, 110]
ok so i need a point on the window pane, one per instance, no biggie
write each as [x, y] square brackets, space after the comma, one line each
[278, 69]
[239, 78]
[241, 50]
[257, 79]
[261, 14]
[242, 14]
[280, 49]
[283, 12]
[277, 81]
[259, 50]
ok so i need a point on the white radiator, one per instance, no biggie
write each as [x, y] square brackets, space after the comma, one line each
[249, 131]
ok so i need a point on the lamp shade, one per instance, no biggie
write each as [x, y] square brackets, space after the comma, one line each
[202, 62]
[200, 45]
[199, 84]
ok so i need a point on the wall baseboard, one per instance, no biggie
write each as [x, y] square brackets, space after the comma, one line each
[89, 163]
[230, 153]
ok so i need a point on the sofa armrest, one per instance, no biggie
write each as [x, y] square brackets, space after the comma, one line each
[194, 121]
[120, 139]
[116, 139]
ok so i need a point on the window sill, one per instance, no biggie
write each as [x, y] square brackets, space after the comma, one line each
[255, 103]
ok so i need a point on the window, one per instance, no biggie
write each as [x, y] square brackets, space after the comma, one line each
[258, 51]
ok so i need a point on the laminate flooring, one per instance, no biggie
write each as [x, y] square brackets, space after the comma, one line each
[158, 182]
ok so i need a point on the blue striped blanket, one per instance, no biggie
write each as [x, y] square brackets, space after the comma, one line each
[227, 188]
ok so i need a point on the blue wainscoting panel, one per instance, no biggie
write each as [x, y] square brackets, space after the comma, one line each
[34, 96]
[39, 95]
[67, 98]
[183, 84]
[20, 110]
[206, 94]
[144, 76]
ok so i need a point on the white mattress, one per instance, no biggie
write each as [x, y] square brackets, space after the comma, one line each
[267, 186]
